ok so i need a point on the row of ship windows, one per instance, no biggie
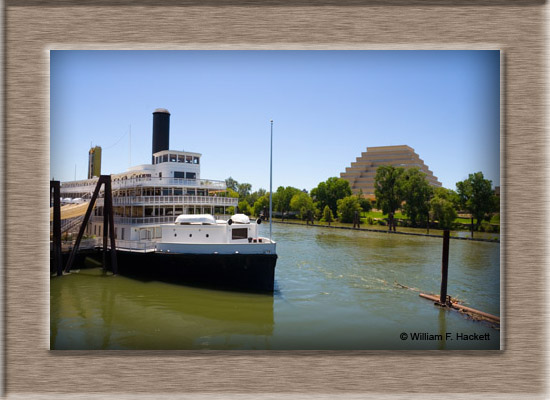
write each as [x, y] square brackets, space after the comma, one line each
[236, 233]
[176, 158]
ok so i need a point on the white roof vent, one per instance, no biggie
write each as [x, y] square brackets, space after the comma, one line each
[240, 219]
[202, 219]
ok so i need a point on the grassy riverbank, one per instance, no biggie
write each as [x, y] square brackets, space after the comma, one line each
[376, 227]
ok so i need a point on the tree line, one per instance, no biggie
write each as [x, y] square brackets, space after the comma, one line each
[396, 189]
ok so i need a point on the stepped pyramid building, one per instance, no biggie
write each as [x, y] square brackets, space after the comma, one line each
[362, 172]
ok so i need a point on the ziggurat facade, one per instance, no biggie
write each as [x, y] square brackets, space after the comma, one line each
[361, 173]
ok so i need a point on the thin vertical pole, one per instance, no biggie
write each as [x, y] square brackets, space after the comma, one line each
[444, 268]
[271, 183]
[130, 148]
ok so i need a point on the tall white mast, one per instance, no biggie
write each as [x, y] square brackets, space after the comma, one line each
[130, 147]
[271, 183]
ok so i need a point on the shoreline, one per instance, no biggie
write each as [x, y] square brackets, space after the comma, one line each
[389, 232]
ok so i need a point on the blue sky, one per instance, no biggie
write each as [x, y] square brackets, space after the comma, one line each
[327, 107]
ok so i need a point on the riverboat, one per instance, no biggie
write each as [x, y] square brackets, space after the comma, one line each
[165, 224]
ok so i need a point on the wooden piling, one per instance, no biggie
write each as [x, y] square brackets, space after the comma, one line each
[108, 205]
[57, 259]
[107, 220]
[444, 268]
[356, 222]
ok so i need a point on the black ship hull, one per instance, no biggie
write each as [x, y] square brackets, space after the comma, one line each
[246, 272]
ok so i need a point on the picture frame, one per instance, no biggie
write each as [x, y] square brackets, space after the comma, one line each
[33, 28]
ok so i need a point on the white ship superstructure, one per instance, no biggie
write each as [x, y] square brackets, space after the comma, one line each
[169, 221]
[149, 195]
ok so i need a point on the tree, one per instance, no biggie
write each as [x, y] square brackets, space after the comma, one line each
[282, 197]
[302, 203]
[443, 207]
[260, 204]
[347, 208]
[329, 192]
[231, 183]
[366, 204]
[232, 193]
[244, 190]
[388, 192]
[476, 197]
[253, 197]
[327, 215]
[244, 207]
[416, 193]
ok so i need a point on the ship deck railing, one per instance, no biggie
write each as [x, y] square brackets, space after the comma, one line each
[175, 199]
[166, 219]
[117, 183]
[142, 246]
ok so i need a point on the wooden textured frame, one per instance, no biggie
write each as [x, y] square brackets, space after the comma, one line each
[33, 27]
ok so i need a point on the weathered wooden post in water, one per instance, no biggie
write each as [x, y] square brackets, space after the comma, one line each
[356, 220]
[57, 259]
[444, 300]
[444, 269]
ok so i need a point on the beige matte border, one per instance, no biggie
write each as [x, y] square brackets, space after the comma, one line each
[33, 371]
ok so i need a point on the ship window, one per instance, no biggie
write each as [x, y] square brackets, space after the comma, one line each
[173, 158]
[181, 158]
[179, 174]
[191, 175]
[144, 234]
[195, 160]
[188, 159]
[165, 158]
[239, 233]
[122, 233]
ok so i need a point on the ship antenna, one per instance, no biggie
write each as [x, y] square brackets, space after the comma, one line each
[271, 184]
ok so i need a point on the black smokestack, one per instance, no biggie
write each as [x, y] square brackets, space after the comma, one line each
[161, 130]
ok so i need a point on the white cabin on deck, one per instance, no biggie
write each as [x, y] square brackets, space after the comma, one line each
[202, 234]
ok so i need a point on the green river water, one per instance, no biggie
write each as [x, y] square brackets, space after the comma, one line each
[335, 290]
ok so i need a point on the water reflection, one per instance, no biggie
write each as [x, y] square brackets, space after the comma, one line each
[94, 311]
